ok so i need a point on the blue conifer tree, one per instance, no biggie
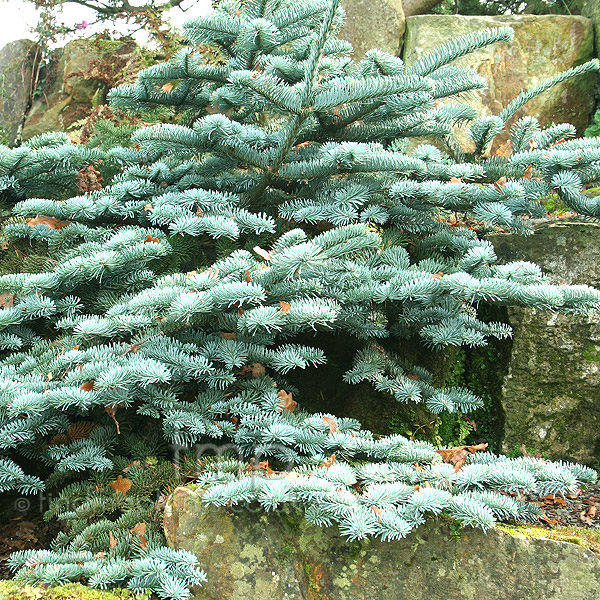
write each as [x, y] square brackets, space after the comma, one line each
[289, 197]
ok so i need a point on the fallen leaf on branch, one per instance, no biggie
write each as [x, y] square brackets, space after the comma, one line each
[264, 465]
[458, 456]
[49, 222]
[284, 307]
[135, 463]
[7, 300]
[149, 238]
[500, 183]
[333, 428]
[287, 401]
[328, 462]
[471, 422]
[167, 87]
[121, 485]
[263, 253]
[528, 454]
[112, 540]
[87, 386]
[140, 530]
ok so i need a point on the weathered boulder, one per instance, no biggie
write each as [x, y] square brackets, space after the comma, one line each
[19, 62]
[543, 47]
[551, 392]
[591, 9]
[254, 555]
[373, 24]
[78, 80]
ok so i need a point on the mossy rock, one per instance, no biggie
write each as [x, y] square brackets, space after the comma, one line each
[15, 590]
[78, 81]
[550, 392]
[18, 62]
[251, 554]
[373, 24]
[586, 537]
[543, 46]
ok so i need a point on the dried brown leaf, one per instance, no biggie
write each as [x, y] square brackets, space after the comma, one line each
[263, 253]
[287, 401]
[333, 428]
[121, 485]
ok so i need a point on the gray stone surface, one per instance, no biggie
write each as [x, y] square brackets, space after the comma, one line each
[18, 63]
[551, 392]
[591, 9]
[543, 47]
[277, 556]
[77, 82]
[374, 24]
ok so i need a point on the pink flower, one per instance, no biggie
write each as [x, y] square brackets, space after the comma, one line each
[82, 25]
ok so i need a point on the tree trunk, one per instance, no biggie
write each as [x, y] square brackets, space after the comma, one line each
[418, 7]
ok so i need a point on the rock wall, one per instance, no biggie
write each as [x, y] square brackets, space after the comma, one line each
[543, 47]
[374, 24]
[550, 393]
[78, 80]
[19, 63]
[257, 555]
[591, 10]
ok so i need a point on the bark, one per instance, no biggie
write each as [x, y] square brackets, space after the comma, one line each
[110, 10]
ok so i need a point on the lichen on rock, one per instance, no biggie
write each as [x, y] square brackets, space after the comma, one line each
[249, 554]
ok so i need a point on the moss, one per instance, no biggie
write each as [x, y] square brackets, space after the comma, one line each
[555, 206]
[356, 549]
[288, 548]
[592, 354]
[581, 536]
[593, 192]
[14, 590]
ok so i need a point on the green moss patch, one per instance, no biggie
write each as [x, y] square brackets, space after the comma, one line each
[14, 590]
[582, 536]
